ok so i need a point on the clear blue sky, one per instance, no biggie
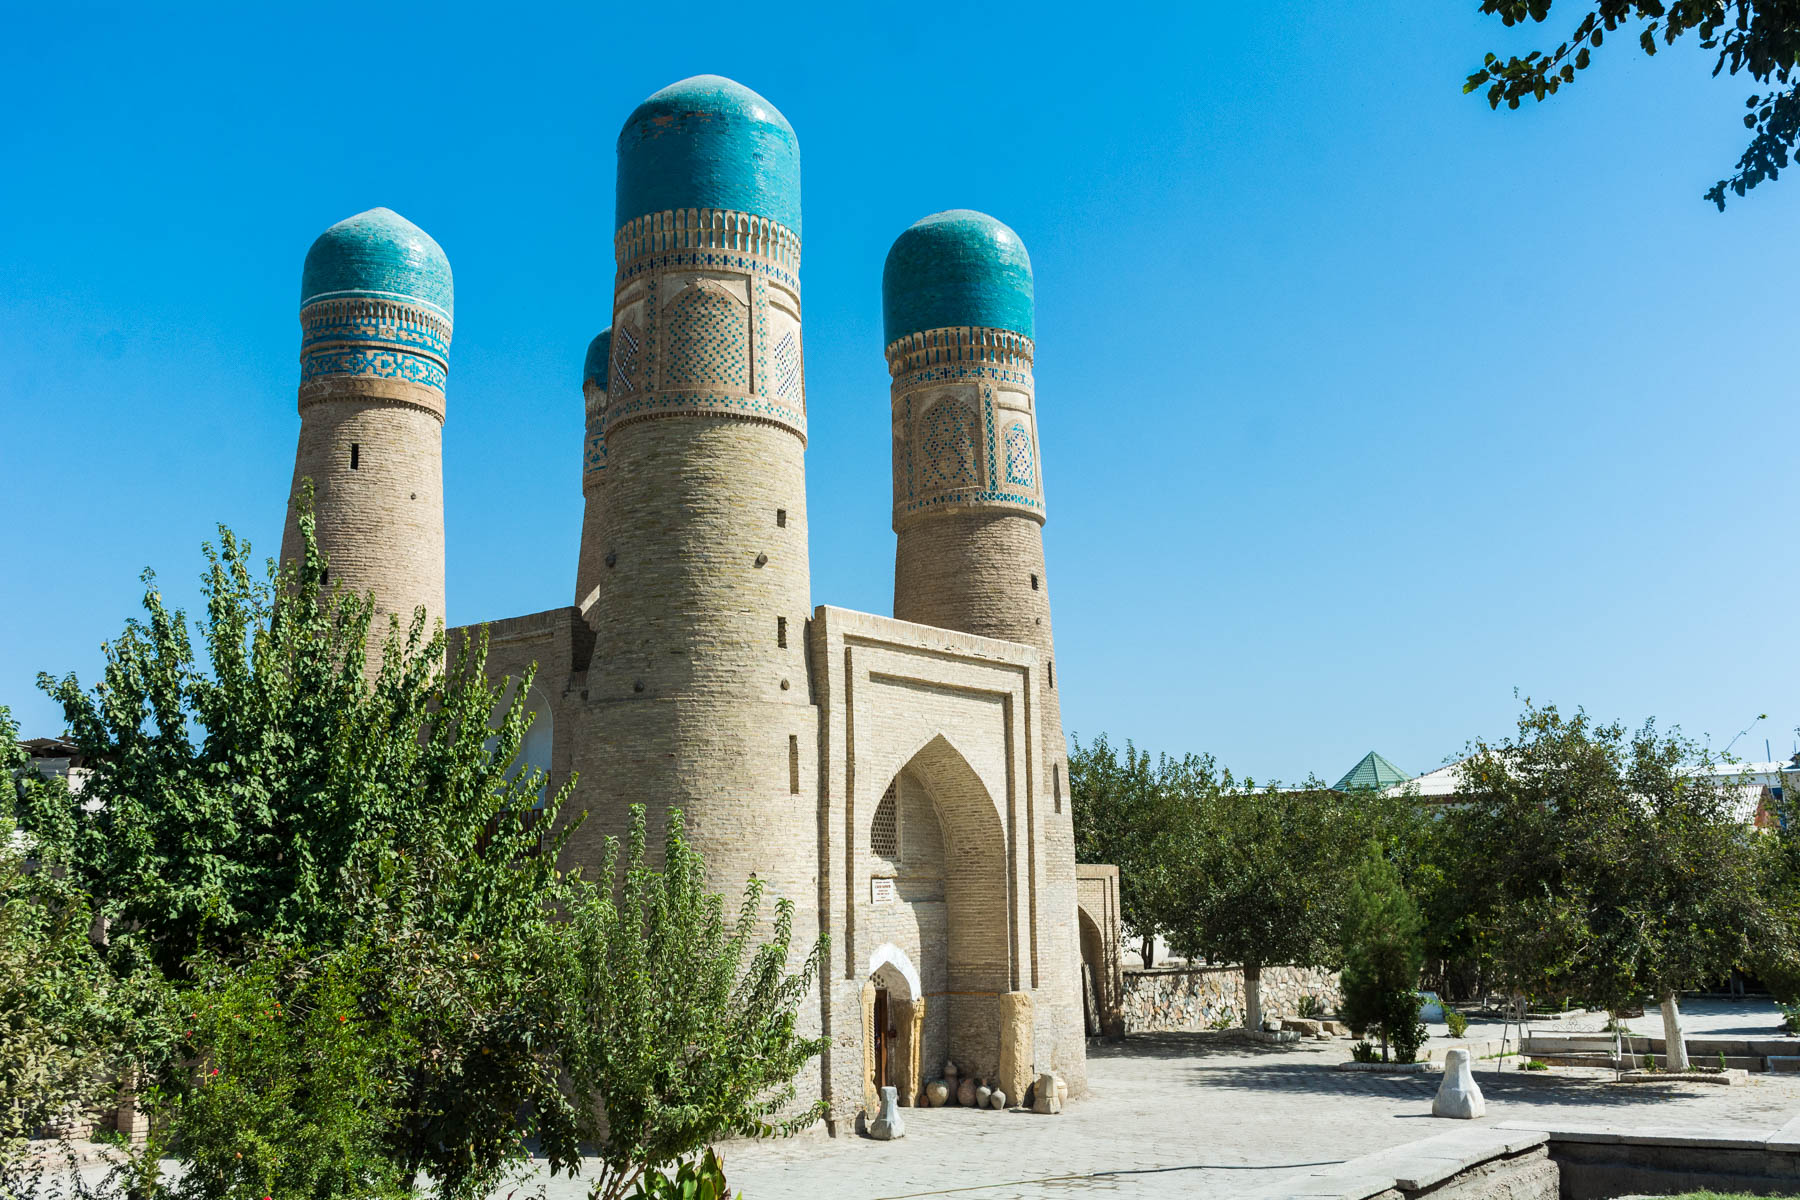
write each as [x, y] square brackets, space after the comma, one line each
[1362, 406]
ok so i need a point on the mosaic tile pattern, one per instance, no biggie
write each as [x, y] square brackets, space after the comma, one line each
[594, 455]
[378, 364]
[705, 404]
[759, 307]
[702, 354]
[948, 440]
[624, 360]
[989, 358]
[657, 263]
[706, 341]
[351, 337]
[787, 367]
[374, 321]
[1019, 467]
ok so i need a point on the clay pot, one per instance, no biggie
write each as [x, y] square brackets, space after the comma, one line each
[937, 1093]
[965, 1093]
[997, 1100]
[981, 1095]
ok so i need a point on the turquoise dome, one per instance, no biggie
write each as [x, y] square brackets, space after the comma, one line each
[956, 268]
[708, 142]
[599, 352]
[378, 252]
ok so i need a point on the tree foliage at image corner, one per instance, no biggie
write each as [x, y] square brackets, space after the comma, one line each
[1760, 38]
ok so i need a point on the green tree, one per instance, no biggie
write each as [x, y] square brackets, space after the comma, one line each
[257, 794]
[1261, 875]
[50, 1056]
[1775, 958]
[1382, 957]
[1607, 865]
[1124, 807]
[689, 1025]
[1760, 38]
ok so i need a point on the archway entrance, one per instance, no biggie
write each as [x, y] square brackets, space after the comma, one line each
[893, 1014]
[936, 893]
[1093, 973]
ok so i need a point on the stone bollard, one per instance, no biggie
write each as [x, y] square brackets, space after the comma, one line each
[1047, 1101]
[888, 1126]
[1458, 1095]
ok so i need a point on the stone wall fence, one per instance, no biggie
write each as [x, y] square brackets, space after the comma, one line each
[1188, 999]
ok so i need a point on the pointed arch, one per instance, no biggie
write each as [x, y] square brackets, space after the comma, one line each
[889, 955]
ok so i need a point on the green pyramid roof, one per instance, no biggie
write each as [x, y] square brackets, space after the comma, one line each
[1373, 771]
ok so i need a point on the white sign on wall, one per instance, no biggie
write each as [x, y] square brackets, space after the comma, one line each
[882, 890]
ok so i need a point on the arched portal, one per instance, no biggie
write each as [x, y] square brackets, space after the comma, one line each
[1093, 972]
[933, 849]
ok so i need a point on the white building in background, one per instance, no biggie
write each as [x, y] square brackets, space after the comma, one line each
[1759, 786]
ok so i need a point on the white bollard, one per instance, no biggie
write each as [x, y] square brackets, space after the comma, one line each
[1458, 1095]
[888, 1126]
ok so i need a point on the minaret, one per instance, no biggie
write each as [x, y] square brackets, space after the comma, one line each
[969, 505]
[698, 691]
[375, 316]
[593, 467]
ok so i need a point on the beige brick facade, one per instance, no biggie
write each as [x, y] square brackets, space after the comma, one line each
[901, 781]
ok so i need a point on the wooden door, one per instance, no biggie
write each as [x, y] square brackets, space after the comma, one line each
[881, 1039]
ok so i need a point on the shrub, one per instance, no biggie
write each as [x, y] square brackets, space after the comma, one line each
[1407, 1039]
[1363, 1052]
[1311, 1006]
[296, 1087]
[695, 1179]
[1227, 1019]
[1457, 1023]
[1382, 958]
[685, 1023]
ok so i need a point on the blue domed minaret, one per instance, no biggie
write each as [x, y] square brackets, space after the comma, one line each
[697, 690]
[593, 465]
[376, 307]
[957, 303]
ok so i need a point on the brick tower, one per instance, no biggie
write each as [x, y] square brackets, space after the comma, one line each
[698, 694]
[593, 467]
[375, 317]
[969, 508]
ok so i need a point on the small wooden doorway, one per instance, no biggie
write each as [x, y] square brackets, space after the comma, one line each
[884, 1038]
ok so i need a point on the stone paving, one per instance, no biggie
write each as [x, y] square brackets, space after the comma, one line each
[1196, 1115]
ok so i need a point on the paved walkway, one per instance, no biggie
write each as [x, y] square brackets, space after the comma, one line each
[1196, 1115]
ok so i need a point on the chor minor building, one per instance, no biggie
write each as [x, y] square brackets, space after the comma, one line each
[903, 780]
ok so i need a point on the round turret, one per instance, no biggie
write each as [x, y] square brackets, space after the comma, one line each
[377, 253]
[953, 269]
[694, 574]
[593, 370]
[969, 512]
[375, 321]
[709, 142]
